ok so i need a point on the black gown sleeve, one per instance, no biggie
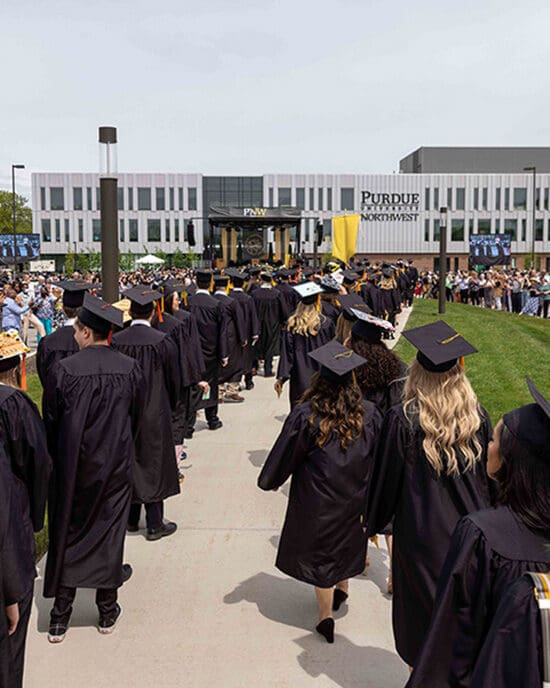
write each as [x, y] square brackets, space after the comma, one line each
[13, 583]
[289, 450]
[457, 627]
[385, 486]
[512, 652]
[171, 369]
[286, 360]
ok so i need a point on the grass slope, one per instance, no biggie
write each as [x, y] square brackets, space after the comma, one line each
[510, 347]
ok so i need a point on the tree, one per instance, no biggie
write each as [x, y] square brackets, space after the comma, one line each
[70, 262]
[126, 261]
[23, 214]
[178, 260]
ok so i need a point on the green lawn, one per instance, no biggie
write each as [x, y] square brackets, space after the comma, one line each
[510, 347]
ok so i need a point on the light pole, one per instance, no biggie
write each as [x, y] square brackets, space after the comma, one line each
[14, 208]
[533, 169]
[442, 258]
[109, 213]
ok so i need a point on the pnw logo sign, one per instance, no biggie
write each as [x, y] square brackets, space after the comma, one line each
[390, 207]
[254, 212]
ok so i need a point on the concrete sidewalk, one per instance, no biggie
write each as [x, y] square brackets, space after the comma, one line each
[206, 607]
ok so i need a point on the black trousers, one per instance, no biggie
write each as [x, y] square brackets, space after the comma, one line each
[19, 638]
[154, 512]
[105, 599]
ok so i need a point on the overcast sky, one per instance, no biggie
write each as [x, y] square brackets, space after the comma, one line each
[240, 87]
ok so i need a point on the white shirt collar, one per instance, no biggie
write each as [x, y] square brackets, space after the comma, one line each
[220, 291]
[138, 321]
[69, 322]
[266, 286]
[203, 291]
[238, 289]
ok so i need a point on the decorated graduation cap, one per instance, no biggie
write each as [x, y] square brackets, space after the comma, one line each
[337, 361]
[124, 307]
[99, 315]
[308, 291]
[349, 302]
[439, 346]
[368, 326]
[74, 290]
[529, 428]
[330, 285]
[12, 352]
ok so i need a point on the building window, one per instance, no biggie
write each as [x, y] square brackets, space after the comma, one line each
[270, 193]
[285, 197]
[77, 198]
[153, 230]
[520, 199]
[180, 197]
[42, 198]
[57, 201]
[144, 198]
[311, 199]
[450, 199]
[80, 229]
[524, 230]
[130, 198]
[497, 199]
[437, 231]
[320, 198]
[176, 230]
[460, 198]
[506, 199]
[88, 198]
[327, 228]
[120, 197]
[537, 199]
[457, 230]
[539, 230]
[346, 199]
[427, 199]
[485, 198]
[133, 230]
[58, 230]
[470, 227]
[301, 198]
[426, 230]
[497, 225]
[484, 226]
[96, 230]
[67, 231]
[546, 198]
[329, 198]
[436, 199]
[161, 200]
[167, 229]
[511, 228]
[98, 198]
[192, 197]
[121, 230]
[171, 198]
[476, 199]
[46, 230]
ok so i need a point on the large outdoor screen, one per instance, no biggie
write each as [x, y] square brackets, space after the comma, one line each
[490, 249]
[27, 247]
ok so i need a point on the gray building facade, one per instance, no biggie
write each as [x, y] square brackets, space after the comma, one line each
[474, 160]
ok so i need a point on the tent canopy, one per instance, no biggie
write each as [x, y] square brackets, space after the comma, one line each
[150, 260]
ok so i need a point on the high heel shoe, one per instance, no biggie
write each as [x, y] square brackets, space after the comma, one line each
[326, 629]
[339, 598]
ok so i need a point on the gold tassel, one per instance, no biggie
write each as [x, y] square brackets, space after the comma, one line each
[318, 304]
[24, 372]
[159, 312]
[461, 362]
[184, 298]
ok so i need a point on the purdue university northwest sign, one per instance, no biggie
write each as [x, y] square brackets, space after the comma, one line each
[390, 207]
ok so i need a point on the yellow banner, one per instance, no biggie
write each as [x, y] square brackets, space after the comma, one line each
[344, 236]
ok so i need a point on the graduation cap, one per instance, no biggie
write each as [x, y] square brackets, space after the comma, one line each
[350, 302]
[221, 281]
[336, 360]
[266, 276]
[172, 285]
[142, 298]
[283, 273]
[349, 276]
[368, 326]
[330, 285]
[529, 427]
[12, 352]
[308, 272]
[308, 291]
[439, 346]
[74, 290]
[237, 277]
[254, 270]
[203, 277]
[99, 315]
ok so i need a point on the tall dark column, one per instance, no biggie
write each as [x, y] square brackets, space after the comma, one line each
[109, 214]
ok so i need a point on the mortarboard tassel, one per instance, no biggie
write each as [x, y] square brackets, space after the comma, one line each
[159, 312]
[162, 304]
[109, 337]
[184, 295]
[461, 362]
[318, 304]
[24, 372]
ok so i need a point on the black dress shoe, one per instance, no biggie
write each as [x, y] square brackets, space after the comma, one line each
[249, 385]
[339, 598]
[127, 571]
[326, 629]
[166, 529]
[215, 424]
[131, 528]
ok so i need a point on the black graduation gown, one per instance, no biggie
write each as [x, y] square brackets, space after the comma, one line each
[272, 314]
[290, 296]
[512, 653]
[251, 325]
[155, 473]
[212, 325]
[489, 550]
[53, 348]
[92, 413]
[23, 436]
[295, 364]
[425, 509]
[390, 395]
[236, 337]
[371, 297]
[331, 311]
[323, 540]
